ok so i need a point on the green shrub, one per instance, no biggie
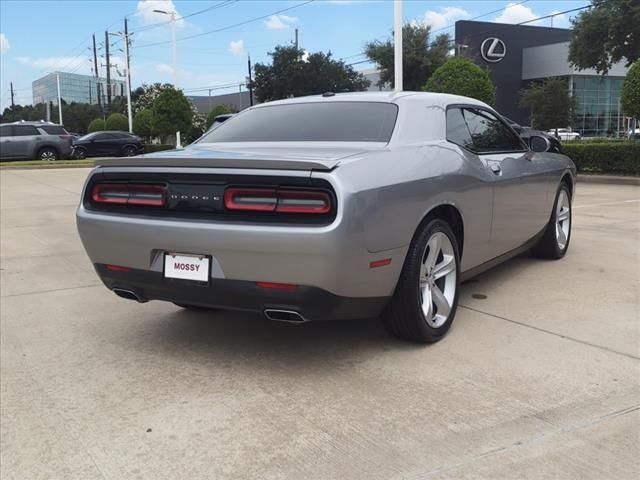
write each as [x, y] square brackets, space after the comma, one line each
[159, 147]
[96, 125]
[612, 157]
[117, 121]
[460, 76]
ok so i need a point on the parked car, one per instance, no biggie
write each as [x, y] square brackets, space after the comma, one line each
[34, 140]
[108, 144]
[564, 134]
[330, 207]
[527, 132]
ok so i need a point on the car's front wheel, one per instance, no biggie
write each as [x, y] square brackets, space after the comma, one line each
[129, 152]
[47, 153]
[425, 300]
[80, 153]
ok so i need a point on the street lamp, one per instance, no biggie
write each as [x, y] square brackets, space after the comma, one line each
[173, 40]
[57, 74]
[125, 38]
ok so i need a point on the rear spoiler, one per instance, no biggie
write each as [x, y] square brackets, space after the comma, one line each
[213, 162]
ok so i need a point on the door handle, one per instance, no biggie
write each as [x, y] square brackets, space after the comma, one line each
[495, 168]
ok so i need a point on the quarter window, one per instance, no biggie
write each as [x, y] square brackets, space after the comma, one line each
[24, 130]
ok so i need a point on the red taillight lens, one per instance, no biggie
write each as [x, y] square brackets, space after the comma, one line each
[129, 194]
[281, 201]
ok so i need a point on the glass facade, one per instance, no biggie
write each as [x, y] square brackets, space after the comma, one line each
[73, 88]
[598, 104]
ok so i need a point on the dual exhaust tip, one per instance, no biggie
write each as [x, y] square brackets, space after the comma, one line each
[288, 316]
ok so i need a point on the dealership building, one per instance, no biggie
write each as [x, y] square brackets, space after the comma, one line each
[517, 55]
[74, 88]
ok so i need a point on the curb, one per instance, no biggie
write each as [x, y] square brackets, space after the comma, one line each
[608, 179]
[42, 167]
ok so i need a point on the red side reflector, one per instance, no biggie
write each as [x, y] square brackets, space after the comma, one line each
[280, 201]
[380, 263]
[277, 286]
[118, 268]
[129, 194]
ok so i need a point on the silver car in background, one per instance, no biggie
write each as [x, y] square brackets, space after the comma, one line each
[329, 207]
[34, 141]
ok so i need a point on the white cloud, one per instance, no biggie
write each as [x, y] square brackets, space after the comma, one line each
[280, 22]
[514, 13]
[164, 68]
[56, 63]
[145, 10]
[4, 43]
[236, 47]
[559, 21]
[446, 16]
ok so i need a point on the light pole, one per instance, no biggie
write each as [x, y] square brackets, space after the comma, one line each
[397, 45]
[172, 14]
[59, 99]
[125, 38]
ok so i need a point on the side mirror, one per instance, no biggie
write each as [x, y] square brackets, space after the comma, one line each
[538, 143]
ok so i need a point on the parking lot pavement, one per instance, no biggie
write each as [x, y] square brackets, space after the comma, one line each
[538, 378]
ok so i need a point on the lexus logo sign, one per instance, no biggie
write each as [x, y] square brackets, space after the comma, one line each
[493, 50]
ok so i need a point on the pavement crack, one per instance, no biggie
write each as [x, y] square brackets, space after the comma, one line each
[52, 290]
[544, 330]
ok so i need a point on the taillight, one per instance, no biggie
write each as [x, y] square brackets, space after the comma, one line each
[277, 200]
[129, 194]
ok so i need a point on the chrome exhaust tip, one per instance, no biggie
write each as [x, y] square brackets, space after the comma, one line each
[288, 316]
[128, 294]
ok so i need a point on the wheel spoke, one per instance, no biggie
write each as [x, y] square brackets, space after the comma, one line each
[563, 215]
[445, 267]
[427, 303]
[562, 238]
[441, 301]
[434, 250]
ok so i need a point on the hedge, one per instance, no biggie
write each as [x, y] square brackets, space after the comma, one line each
[157, 147]
[613, 157]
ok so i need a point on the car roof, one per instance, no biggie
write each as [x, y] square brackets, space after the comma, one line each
[35, 123]
[431, 98]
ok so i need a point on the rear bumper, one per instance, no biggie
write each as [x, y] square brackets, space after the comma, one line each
[311, 303]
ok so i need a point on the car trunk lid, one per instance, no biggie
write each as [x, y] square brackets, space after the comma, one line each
[300, 156]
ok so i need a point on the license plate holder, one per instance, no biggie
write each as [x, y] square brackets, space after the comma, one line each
[187, 267]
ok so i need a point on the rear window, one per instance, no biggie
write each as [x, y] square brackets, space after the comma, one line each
[54, 129]
[310, 122]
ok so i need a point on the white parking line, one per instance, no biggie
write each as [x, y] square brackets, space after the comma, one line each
[608, 203]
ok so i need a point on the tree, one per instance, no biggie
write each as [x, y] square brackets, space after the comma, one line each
[289, 75]
[142, 123]
[77, 116]
[460, 76]
[171, 112]
[96, 125]
[196, 129]
[605, 34]
[217, 110]
[117, 121]
[143, 97]
[550, 104]
[420, 58]
[630, 95]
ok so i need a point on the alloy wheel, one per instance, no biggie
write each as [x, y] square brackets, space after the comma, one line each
[563, 219]
[48, 155]
[437, 280]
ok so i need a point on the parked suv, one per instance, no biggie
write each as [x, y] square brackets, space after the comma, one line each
[107, 144]
[34, 140]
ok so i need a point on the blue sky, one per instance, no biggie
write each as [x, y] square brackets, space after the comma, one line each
[42, 36]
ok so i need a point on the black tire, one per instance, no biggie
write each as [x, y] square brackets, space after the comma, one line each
[80, 153]
[48, 153]
[128, 151]
[403, 316]
[549, 245]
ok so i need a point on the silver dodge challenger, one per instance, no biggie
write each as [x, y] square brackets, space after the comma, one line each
[330, 207]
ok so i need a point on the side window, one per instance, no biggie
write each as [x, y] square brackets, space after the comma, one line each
[102, 136]
[457, 130]
[489, 134]
[24, 130]
[5, 131]
[54, 129]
